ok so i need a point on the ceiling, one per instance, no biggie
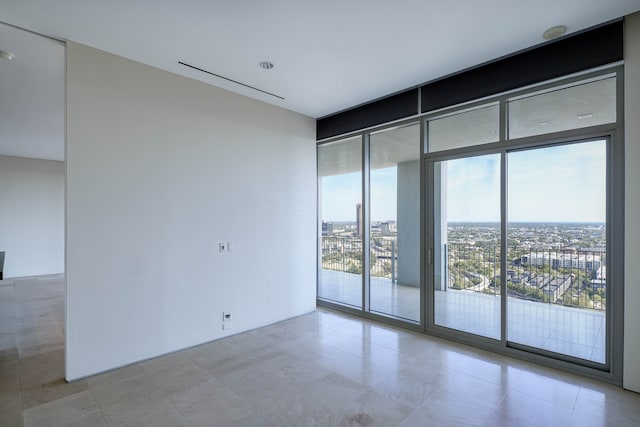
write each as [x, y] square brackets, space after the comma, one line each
[31, 96]
[329, 55]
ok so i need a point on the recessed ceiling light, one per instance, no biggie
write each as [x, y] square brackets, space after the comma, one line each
[6, 55]
[266, 65]
[585, 116]
[544, 123]
[554, 32]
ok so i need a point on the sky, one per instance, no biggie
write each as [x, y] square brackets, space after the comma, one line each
[341, 194]
[555, 184]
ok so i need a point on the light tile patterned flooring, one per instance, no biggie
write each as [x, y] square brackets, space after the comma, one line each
[567, 330]
[321, 369]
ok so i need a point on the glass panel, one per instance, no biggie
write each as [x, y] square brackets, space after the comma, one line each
[556, 275]
[467, 250]
[340, 190]
[395, 222]
[580, 106]
[463, 129]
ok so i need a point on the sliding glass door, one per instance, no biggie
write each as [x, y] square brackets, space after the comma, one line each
[467, 222]
[556, 272]
[555, 238]
[521, 196]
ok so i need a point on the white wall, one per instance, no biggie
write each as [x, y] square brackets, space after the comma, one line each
[160, 169]
[31, 216]
[631, 374]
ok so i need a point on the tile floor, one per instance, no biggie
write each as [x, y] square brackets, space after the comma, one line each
[321, 369]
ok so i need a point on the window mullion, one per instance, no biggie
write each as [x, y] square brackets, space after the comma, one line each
[366, 227]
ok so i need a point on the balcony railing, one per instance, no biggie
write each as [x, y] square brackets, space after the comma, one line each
[344, 253]
[569, 277]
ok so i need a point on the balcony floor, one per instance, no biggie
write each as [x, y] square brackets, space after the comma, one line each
[572, 331]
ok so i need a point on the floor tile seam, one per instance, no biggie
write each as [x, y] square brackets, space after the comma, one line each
[343, 405]
[21, 387]
[445, 390]
[14, 323]
[477, 377]
[164, 394]
[42, 339]
[390, 347]
[552, 402]
[399, 424]
[573, 413]
[575, 400]
[256, 408]
[578, 396]
[190, 357]
[360, 340]
[496, 410]
[504, 392]
[438, 390]
[36, 355]
[501, 400]
[104, 417]
[187, 357]
[405, 402]
[113, 413]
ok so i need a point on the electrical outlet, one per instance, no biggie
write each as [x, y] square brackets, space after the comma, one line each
[226, 320]
[228, 246]
[221, 247]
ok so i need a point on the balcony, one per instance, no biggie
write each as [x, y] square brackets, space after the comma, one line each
[555, 298]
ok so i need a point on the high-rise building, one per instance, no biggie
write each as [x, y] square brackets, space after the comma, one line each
[327, 228]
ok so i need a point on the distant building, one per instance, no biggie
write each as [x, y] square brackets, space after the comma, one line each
[327, 228]
[600, 280]
[588, 262]
[388, 227]
[555, 288]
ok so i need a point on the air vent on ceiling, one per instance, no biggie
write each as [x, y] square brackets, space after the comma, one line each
[228, 79]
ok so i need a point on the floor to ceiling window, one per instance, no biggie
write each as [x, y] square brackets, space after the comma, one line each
[394, 253]
[341, 228]
[504, 234]
[369, 197]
